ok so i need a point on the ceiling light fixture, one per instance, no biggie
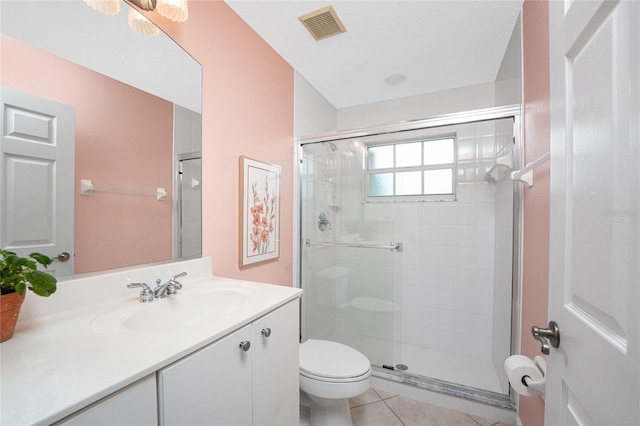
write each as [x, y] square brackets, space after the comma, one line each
[395, 79]
[145, 4]
[176, 10]
[140, 24]
[107, 7]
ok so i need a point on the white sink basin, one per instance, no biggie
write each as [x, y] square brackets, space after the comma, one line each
[186, 308]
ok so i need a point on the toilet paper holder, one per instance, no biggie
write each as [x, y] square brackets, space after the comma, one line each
[537, 385]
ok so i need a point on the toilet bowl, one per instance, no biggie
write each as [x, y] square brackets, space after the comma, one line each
[330, 374]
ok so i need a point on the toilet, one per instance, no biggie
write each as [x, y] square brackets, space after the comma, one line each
[330, 374]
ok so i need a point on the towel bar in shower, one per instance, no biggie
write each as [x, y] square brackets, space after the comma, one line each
[391, 246]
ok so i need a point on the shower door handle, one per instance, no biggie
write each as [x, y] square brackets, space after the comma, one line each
[547, 336]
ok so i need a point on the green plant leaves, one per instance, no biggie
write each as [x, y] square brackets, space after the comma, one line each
[42, 283]
[19, 273]
[41, 259]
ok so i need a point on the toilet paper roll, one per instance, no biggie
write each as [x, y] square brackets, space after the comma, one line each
[519, 366]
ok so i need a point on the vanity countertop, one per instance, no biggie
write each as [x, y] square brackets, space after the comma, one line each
[57, 364]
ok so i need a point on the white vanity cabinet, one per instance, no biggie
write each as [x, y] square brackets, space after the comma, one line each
[134, 405]
[248, 377]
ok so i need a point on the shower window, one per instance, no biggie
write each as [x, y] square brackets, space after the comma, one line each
[423, 170]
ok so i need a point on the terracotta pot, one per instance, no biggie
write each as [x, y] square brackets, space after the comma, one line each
[9, 310]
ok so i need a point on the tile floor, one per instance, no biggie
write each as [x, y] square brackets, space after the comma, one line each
[379, 408]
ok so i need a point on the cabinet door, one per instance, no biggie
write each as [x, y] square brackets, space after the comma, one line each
[276, 362]
[211, 386]
[134, 405]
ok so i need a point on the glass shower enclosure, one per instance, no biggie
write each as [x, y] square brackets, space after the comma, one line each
[407, 247]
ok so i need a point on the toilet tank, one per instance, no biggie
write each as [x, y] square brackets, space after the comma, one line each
[333, 285]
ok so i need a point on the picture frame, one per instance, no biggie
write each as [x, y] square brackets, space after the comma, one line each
[259, 212]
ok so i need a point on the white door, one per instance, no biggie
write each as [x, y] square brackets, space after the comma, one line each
[595, 232]
[37, 161]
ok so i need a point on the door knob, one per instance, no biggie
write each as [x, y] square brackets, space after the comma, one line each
[62, 257]
[547, 336]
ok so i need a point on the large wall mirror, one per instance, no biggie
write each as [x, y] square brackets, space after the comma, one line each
[120, 110]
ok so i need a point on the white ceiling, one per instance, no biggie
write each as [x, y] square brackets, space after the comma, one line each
[438, 45]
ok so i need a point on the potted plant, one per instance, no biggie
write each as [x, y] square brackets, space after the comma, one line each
[16, 275]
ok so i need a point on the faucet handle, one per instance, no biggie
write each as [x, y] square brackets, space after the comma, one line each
[173, 279]
[144, 286]
[173, 287]
[146, 295]
[180, 275]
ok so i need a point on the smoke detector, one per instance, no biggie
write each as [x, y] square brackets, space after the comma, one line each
[323, 23]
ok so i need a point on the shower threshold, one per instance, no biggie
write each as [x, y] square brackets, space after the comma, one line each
[481, 396]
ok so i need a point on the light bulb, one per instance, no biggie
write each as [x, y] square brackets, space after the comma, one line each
[140, 24]
[176, 10]
[107, 7]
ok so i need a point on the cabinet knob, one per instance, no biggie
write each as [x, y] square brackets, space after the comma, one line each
[245, 345]
[266, 332]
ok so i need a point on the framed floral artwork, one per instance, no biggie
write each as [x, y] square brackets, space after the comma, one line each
[259, 212]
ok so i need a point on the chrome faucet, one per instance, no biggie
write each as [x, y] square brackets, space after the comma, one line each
[146, 295]
[169, 288]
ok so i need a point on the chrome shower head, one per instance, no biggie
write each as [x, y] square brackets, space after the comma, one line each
[497, 172]
[501, 170]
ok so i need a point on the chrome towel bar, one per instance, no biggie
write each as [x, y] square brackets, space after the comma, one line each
[392, 246]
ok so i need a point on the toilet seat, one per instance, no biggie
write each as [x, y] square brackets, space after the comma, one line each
[332, 362]
[365, 376]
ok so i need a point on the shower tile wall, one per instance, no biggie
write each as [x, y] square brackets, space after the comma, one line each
[447, 272]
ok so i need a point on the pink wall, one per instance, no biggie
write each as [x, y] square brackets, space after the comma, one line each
[247, 110]
[116, 127]
[535, 28]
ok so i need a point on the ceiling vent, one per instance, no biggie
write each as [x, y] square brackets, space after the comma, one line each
[323, 23]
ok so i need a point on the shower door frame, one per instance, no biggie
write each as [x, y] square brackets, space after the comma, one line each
[464, 117]
[177, 231]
